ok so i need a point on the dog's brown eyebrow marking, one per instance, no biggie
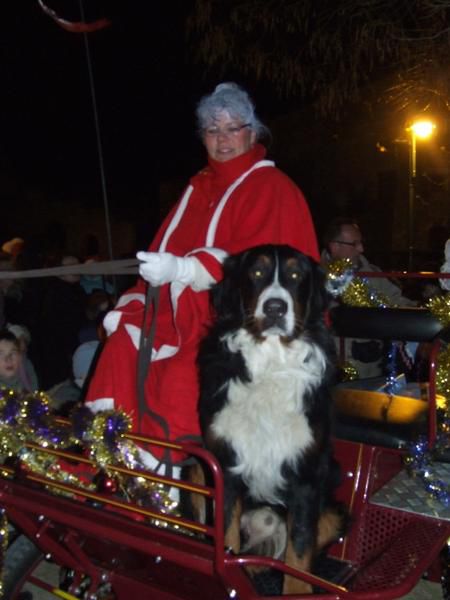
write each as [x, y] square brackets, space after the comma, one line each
[264, 258]
[292, 262]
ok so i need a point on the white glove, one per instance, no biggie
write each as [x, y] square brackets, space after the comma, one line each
[159, 268]
[445, 268]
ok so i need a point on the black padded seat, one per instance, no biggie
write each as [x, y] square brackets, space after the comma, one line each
[413, 324]
[387, 324]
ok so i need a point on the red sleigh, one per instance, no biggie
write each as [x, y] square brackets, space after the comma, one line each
[106, 546]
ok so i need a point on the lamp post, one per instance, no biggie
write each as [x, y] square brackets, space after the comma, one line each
[422, 129]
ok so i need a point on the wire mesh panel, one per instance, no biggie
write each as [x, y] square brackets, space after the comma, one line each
[395, 547]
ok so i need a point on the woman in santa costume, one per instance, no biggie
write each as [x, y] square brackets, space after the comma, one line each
[237, 201]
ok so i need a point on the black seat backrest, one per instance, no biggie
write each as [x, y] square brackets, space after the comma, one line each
[406, 324]
[387, 324]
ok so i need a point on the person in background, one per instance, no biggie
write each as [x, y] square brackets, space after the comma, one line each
[11, 365]
[445, 267]
[11, 291]
[27, 370]
[237, 201]
[13, 247]
[343, 239]
[424, 349]
[98, 303]
[62, 317]
[95, 283]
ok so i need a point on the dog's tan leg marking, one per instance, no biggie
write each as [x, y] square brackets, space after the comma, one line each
[233, 533]
[292, 585]
[196, 475]
[330, 525]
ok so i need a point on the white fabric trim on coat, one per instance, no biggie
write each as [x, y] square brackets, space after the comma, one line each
[176, 218]
[219, 254]
[216, 216]
[203, 278]
[112, 318]
[165, 351]
[126, 298]
[111, 321]
[151, 463]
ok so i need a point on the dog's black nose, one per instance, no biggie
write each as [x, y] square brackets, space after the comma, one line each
[275, 307]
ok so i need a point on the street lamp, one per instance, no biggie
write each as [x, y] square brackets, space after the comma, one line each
[419, 129]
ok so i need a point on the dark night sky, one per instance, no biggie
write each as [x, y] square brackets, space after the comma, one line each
[146, 86]
[145, 92]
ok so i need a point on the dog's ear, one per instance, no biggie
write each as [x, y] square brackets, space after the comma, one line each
[225, 294]
[318, 299]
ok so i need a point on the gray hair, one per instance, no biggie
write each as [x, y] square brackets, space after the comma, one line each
[231, 98]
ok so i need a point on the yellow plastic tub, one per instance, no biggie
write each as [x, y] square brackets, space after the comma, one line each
[409, 405]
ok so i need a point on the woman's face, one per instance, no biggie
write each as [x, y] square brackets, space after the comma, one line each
[227, 137]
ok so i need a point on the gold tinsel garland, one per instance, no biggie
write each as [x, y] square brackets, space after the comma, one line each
[354, 291]
[349, 371]
[26, 419]
[443, 373]
[439, 306]
[343, 283]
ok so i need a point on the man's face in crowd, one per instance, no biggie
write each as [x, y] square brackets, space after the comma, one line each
[348, 244]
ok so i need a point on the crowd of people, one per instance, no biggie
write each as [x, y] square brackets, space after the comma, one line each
[50, 328]
[238, 200]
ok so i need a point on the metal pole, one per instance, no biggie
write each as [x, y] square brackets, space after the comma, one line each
[99, 140]
[411, 199]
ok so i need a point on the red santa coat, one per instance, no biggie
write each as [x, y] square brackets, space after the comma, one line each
[228, 207]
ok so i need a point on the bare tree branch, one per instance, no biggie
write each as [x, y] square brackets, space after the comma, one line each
[329, 52]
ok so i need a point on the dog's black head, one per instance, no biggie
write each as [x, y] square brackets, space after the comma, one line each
[271, 290]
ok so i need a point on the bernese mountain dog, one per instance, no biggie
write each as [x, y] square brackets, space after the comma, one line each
[265, 370]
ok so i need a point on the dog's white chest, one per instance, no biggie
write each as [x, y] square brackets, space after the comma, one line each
[264, 420]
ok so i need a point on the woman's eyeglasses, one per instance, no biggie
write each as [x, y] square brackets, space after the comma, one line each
[232, 130]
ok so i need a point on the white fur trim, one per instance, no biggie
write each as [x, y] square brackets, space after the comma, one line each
[100, 404]
[253, 416]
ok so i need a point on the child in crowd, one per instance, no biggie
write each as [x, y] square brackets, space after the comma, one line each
[27, 370]
[12, 373]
